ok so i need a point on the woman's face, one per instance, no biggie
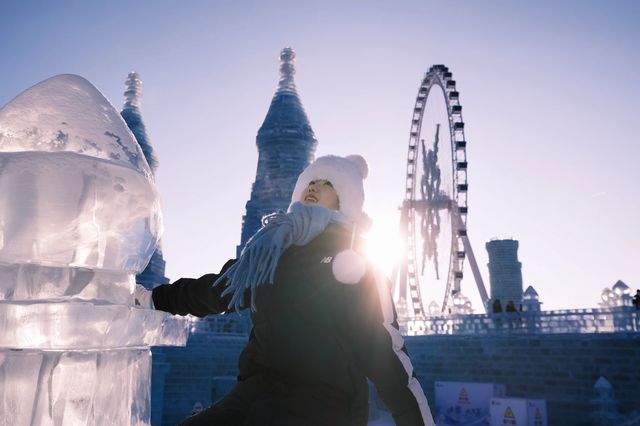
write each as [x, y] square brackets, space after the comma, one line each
[322, 193]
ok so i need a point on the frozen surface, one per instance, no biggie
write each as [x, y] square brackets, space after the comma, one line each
[75, 388]
[75, 189]
[79, 217]
[31, 281]
[66, 113]
[66, 209]
[83, 325]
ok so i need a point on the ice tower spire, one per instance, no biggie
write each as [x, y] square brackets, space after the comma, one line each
[287, 70]
[133, 117]
[153, 274]
[286, 145]
[133, 92]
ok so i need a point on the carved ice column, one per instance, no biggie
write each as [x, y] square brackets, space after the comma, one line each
[79, 217]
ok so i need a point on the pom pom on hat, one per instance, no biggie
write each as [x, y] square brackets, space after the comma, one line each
[360, 163]
[348, 267]
[346, 174]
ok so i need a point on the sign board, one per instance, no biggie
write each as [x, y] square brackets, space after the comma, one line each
[465, 404]
[518, 412]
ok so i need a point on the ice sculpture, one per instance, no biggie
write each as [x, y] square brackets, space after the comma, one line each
[79, 217]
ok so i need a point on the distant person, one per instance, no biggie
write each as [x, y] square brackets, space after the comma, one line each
[512, 312]
[636, 299]
[323, 318]
[497, 309]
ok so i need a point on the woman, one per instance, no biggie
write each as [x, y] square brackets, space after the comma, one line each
[323, 320]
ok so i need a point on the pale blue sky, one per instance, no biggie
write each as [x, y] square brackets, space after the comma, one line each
[549, 89]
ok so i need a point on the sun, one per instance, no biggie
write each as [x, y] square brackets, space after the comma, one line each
[383, 245]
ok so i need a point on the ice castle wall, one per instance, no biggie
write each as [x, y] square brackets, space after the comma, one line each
[211, 358]
[561, 368]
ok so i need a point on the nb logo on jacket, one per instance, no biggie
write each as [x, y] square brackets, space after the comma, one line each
[327, 259]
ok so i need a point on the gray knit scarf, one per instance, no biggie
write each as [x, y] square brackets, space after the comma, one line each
[259, 258]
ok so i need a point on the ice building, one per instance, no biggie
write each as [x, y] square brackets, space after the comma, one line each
[531, 300]
[505, 272]
[80, 216]
[153, 274]
[618, 295]
[286, 146]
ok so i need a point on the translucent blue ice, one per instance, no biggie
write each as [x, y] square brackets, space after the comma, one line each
[79, 217]
[66, 113]
[75, 189]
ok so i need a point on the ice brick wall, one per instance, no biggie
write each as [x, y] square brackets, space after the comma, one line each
[561, 368]
[190, 378]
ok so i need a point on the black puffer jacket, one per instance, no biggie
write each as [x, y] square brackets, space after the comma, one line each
[317, 334]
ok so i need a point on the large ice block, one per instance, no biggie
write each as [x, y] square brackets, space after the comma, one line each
[75, 388]
[75, 189]
[24, 281]
[83, 325]
[79, 217]
[66, 209]
[66, 113]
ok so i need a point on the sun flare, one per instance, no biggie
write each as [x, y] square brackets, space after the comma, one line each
[383, 243]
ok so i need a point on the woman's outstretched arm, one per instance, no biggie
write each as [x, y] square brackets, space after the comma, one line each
[193, 296]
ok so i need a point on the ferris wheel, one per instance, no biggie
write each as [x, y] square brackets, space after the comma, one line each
[434, 210]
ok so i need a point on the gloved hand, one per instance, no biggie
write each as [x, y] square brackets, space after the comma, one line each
[143, 297]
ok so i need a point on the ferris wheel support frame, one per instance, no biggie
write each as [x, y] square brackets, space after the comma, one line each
[473, 263]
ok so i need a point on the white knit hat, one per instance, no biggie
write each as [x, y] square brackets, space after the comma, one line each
[346, 175]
